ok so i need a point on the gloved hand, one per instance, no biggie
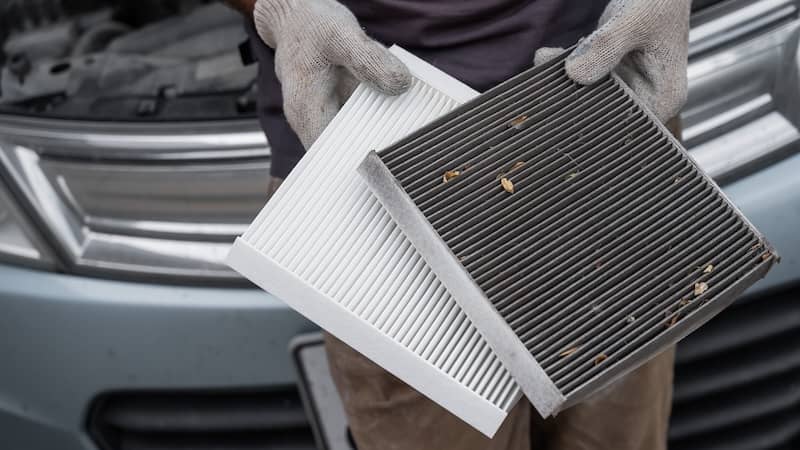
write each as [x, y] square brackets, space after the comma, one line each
[318, 46]
[647, 42]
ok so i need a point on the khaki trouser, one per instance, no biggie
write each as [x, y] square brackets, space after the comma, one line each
[386, 414]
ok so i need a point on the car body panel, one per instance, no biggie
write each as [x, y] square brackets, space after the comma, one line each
[67, 339]
[770, 198]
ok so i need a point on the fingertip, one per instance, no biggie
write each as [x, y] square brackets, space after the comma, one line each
[396, 83]
[546, 54]
[396, 78]
[578, 64]
[598, 55]
[371, 62]
[582, 71]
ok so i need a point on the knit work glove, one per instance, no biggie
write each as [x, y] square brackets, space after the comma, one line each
[318, 46]
[647, 42]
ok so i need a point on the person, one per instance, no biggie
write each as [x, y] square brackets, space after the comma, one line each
[312, 54]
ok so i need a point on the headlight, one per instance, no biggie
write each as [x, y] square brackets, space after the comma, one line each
[163, 200]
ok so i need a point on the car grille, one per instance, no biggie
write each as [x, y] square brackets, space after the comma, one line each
[200, 421]
[737, 380]
[575, 232]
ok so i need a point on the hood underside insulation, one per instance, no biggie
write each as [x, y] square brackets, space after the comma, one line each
[575, 232]
[325, 246]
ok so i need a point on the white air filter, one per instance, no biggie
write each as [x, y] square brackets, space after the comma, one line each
[325, 246]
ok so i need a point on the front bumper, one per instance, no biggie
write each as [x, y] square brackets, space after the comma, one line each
[65, 339]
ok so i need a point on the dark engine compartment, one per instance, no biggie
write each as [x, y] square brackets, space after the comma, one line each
[127, 60]
[123, 60]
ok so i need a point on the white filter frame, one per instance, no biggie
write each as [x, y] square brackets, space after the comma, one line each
[325, 246]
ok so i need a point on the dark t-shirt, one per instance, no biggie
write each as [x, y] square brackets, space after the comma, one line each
[480, 42]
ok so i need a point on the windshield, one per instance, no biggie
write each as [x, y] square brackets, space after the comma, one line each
[128, 60]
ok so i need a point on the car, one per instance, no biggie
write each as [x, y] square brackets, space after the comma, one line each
[130, 158]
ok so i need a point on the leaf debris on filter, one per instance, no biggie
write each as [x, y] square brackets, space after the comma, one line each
[570, 176]
[507, 185]
[673, 321]
[700, 288]
[765, 256]
[568, 352]
[709, 268]
[517, 122]
[600, 358]
[450, 174]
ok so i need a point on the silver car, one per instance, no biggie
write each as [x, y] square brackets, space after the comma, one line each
[130, 158]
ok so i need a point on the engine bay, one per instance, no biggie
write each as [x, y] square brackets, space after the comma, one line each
[125, 60]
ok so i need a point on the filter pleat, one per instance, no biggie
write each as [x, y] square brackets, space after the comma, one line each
[479, 143]
[436, 201]
[605, 216]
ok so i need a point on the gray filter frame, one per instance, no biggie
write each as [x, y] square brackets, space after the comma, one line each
[573, 229]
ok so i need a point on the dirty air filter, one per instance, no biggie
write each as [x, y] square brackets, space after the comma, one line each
[575, 232]
[325, 246]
